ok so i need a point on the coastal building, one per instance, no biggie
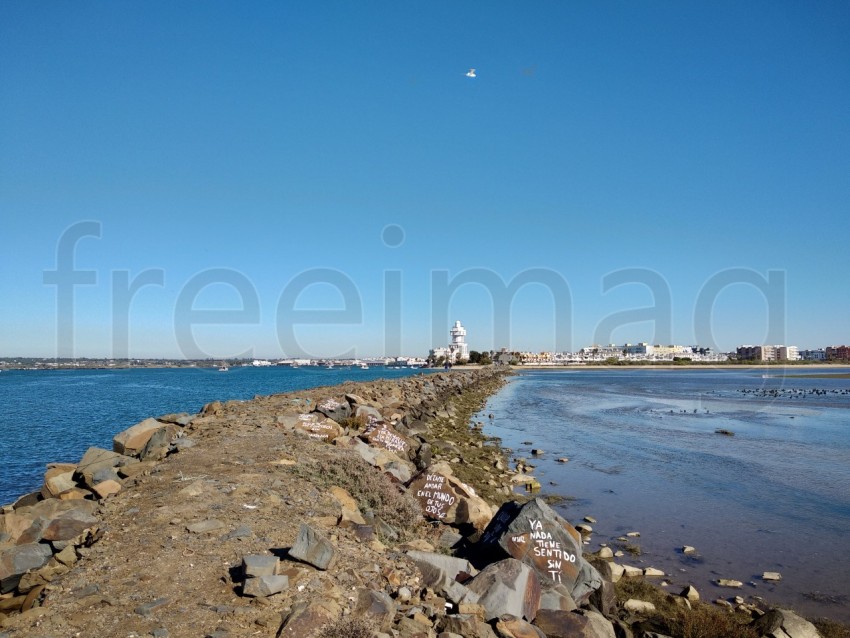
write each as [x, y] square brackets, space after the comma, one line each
[505, 357]
[767, 353]
[642, 351]
[818, 354]
[837, 352]
[457, 350]
[787, 353]
[639, 352]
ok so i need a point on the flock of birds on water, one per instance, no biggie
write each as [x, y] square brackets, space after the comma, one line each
[792, 393]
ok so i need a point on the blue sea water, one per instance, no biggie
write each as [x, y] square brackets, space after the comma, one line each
[644, 456]
[56, 415]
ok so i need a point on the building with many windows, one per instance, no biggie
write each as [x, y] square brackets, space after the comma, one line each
[768, 353]
[837, 352]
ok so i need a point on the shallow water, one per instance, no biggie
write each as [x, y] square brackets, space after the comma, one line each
[56, 415]
[644, 456]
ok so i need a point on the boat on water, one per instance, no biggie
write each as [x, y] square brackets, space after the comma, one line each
[364, 366]
[223, 369]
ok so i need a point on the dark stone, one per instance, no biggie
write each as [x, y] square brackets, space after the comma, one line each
[506, 587]
[508, 626]
[376, 607]
[312, 548]
[778, 623]
[27, 499]
[264, 586]
[243, 531]
[33, 533]
[535, 534]
[605, 598]
[304, 620]
[441, 573]
[383, 435]
[105, 474]
[424, 456]
[468, 626]
[157, 446]
[69, 525]
[336, 410]
[147, 609]
[18, 560]
[561, 624]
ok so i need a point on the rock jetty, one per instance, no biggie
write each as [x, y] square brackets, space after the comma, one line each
[374, 509]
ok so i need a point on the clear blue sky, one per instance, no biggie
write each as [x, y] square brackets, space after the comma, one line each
[658, 141]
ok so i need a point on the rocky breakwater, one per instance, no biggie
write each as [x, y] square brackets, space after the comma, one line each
[370, 509]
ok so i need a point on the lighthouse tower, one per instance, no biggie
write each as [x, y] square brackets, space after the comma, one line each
[458, 347]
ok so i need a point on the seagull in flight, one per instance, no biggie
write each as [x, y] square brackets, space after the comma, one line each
[471, 73]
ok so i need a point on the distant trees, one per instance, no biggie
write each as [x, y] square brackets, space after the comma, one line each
[481, 358]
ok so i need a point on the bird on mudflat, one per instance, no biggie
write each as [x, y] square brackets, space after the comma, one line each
[471, 73]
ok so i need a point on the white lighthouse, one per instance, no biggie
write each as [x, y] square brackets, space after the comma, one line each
[458, 347]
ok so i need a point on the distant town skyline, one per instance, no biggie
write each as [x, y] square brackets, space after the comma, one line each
[182, 180]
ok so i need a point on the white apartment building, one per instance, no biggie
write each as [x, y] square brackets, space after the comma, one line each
[768, 353]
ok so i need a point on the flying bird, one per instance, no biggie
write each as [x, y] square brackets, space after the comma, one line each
[471, 73]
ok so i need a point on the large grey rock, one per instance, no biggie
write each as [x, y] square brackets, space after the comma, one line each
[507, 587]
[132, 440]
[27, 524]
[638, 606]
[442, 573]
[783, 623]
[400, 471]
[147, 609]
[368, 412]
[156, 448]
[557, 597]
[96, 459]
[18, 560]
[407, 627]
[449, 500]
[310, 547]
[468, 626]
[69, 525]
[256, 565]
[605, 598]
[383, 435]
[508, 626]
[598, 625]
[57, 479]
[535, 534]
[306, 620]
[265, 585]
[376, 607]
[565, 624]
[355, 399]
[334, 409]
[384, 460]
[315, 427]
[105, 474]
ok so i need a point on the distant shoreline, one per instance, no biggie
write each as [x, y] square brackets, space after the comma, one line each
[671, 367]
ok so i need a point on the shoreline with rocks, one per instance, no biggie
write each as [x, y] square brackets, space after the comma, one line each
[365, 509]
